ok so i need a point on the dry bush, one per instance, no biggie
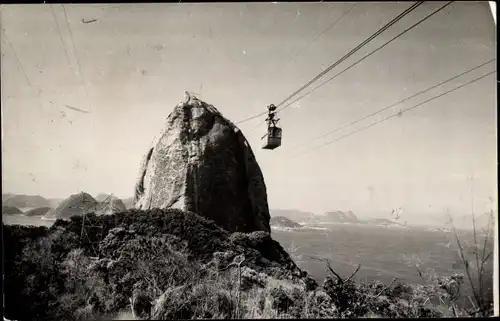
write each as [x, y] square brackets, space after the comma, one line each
[476, 261]
[202, 300]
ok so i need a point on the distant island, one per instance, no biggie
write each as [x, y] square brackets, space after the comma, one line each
[311, 218]
[24, 201]
[11, 210]
[281, 222]
[28, 201]
[39, 211]
[104, 203]
[35, 205]
[381, 222]
[338, 217]
[294, 215]
[333, 217]
[52, 208]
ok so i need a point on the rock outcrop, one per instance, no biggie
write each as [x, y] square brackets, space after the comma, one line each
[77, 204]
[201, 162]
[283, 222]
[295, 215]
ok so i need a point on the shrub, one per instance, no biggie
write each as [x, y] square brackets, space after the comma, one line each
[319, 305]
[201, 300]
[477, 266]
[148, 264]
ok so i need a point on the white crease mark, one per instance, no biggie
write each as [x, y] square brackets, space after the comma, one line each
[297, 16]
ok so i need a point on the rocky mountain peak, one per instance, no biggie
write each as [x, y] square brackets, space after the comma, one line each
[201, 162]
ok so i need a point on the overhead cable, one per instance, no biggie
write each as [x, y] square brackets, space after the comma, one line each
[395, 104]
[350, 53]
[366, 56]
[396, 114]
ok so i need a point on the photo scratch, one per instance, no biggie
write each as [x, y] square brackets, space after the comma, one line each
[77, 109]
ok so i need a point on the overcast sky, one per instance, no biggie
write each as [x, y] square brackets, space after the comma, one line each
[138, 59]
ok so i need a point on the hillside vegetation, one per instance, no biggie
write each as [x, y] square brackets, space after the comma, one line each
[145, 258]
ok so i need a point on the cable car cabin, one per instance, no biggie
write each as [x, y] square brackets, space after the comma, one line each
[272, 139]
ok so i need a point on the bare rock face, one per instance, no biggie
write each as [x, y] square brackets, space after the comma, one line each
[202, 163]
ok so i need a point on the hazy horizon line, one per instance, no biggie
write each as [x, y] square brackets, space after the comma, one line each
[320, 213]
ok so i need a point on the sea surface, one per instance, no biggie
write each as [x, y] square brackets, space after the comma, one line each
[383, 253]
[26, 220]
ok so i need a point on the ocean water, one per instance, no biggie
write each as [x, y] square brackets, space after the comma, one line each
[383, 253]
[26, 220]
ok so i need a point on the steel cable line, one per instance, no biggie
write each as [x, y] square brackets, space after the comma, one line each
[363, 58]
[394, 115]
[366, 56]
[333, 24]
[60, 34]
[395, 104]
[76, 56]
[258, 126]
[350, 53]
[330, 26]
[360, 60]
[21, 68]
[19, 64]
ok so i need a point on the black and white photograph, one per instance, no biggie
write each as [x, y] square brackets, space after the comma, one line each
[249, 160]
